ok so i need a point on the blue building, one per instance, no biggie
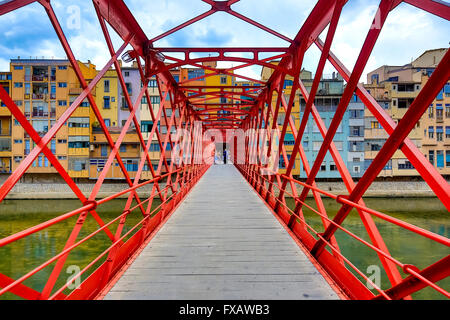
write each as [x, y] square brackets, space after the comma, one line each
[349, 138]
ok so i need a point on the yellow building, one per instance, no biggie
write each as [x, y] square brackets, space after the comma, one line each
[44, 89]
[395, 88]
[5, 126]
[435, 130]
[129, 152]
[106, 93]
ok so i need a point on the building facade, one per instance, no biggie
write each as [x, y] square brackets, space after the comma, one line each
[395, 88]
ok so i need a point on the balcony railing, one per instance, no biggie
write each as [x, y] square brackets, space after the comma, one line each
[38, 95]
[5, 132]
[40, 113]
[5, 145]
[40, 77]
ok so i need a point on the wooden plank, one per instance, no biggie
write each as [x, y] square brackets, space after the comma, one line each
[222, 243]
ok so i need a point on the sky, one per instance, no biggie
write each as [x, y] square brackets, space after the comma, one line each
[407, 33]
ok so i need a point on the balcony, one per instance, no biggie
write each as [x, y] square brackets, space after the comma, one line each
[40, 74]
[40, 91]
[5, 132]
[40, 113]
[39, 77]
[79, 174]
[5, 146]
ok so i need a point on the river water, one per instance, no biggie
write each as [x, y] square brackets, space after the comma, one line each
[24, 255]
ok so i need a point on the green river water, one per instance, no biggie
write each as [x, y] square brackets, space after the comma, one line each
[24, 255]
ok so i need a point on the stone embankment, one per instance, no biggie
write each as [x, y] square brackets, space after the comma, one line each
[62, 191]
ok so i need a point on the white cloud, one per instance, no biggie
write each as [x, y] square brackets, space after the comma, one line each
[407, 33]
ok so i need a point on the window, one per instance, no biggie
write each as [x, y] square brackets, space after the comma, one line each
[195, 73]
[316, 145]
[77, 164]
[305, 145]
[62, 141]
[404, 165]
[355, 131]
[288, 83]
[323, 166]
[126, 73]
[17, 159]
[447, 158]
[375, 125]
[447, 110]
[107, 122]
[447, 132]
[18, 67]
[431, 156]
[62, 157]
[431, 132]
[223, 80]
[431, 111]
[356, 169]
[405, 87]
[17, 141]
[123, 148]
[62, 103]
[281, 163]
[154, 147]
[439, 112]
[154, 84]
[154, 99]
[129, 88]
[223, 100]
[104, 150]
[53, 145]
[79, 141]
[146, 126]
[106, 103]
[16, 123]
[289, 139]
[439, 133]
[106, 85]
[440, 158]
[18, 85]
[79, 123]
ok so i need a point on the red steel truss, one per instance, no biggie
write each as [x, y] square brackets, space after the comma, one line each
[195, 104]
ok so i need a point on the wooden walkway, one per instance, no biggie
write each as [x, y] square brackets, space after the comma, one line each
[222, 243]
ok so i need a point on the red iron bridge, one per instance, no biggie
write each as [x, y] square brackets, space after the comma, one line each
[227, 231]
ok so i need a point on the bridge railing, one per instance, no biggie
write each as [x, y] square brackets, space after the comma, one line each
[169, 181]
[308, 235]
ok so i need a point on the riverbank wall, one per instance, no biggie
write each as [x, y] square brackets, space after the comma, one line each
[63, 191]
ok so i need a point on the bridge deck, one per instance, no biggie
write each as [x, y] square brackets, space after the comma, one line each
[222, 243]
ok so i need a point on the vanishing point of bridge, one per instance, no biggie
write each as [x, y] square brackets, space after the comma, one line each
[235, 231]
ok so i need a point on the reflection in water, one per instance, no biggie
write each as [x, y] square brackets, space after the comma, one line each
[405, 246]
[22, 256]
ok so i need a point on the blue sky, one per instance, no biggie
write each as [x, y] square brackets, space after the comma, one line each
[407, 33]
